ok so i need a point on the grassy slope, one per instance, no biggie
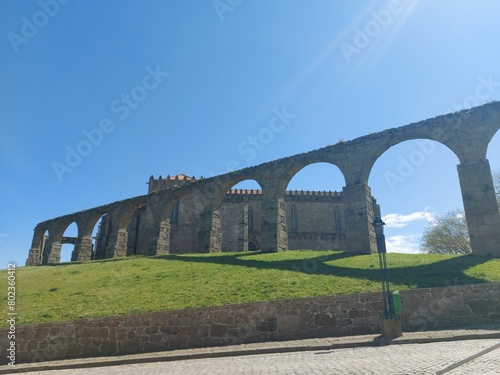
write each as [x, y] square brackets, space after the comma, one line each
[141, 284]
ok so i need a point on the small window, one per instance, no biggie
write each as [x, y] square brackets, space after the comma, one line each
[250, 219]
[294, 219]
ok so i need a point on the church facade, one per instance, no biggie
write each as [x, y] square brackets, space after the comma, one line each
[315, 220]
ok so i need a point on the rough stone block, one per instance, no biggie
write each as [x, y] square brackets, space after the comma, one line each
[288, 323]
[324, 320]
[151, 330]
[358, 313]
[328, 331]
[187, 331]
[169, 330]
[479, 307]
[129, 346]
[269, 325]
[305, 318]
[40, 333]
[217, 330]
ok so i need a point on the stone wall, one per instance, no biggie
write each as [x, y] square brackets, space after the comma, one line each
[423, 309]
[314, 220]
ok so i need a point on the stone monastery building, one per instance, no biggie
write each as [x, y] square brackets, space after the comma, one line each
[314, 221]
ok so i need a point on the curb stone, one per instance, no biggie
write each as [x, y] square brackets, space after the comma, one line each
[323, 344]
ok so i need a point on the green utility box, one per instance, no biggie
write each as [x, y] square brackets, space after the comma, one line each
[396, 303]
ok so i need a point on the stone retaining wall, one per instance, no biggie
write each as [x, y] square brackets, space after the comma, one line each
[423, 309]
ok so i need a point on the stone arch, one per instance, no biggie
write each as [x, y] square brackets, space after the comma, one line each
[120, 217]
[314, 210]
[234, 179]
[240, 213]
[52, 252]
[407, 172]
[68, 242]
[390, 142]
[92, 244]
[413, 159]
[299, 166]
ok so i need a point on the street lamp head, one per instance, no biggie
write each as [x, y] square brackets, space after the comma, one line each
[378, 224]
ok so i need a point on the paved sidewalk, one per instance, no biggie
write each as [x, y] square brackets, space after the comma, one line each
[473, 333]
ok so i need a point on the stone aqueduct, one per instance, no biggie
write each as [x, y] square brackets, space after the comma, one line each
[466, 133]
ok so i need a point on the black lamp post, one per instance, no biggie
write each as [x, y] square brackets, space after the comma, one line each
[378, 224]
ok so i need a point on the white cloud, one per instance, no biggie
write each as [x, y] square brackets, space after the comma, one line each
[401, 221]
[403, 243]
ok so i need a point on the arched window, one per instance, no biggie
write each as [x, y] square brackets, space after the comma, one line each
[252, 246]
[174, 215]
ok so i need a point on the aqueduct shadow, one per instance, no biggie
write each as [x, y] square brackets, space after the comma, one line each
[441, 273]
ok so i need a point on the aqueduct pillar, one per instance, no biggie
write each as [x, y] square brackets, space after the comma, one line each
[209, 236]
[359, 216]
[52, 250]
[159, 231]
[274, 234]
[480, 206]
[118, 236]
[159, 238]
[83, 248]
[37, 247]
[83, 244]
[53, 244]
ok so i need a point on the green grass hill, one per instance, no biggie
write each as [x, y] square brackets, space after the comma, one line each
[142, 284]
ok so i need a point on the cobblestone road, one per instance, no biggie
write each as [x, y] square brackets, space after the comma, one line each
[394, 359]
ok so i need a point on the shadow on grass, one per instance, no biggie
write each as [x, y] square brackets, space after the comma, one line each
[444, 272]
[440, 273]
[96, 261]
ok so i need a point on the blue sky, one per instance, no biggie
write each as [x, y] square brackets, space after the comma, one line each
[168, 87]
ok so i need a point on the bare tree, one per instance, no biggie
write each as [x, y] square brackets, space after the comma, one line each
[447, 234]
